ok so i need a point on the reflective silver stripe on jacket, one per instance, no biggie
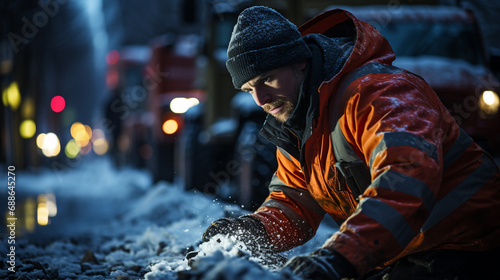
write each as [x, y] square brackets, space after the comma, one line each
[390, 218]
[400, 139]
[405, 184]
[462, 192]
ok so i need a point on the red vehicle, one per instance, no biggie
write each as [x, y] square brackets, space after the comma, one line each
[154, 86]
[172, 91]
[443, 45]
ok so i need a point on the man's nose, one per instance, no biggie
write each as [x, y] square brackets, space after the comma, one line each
[261, 97]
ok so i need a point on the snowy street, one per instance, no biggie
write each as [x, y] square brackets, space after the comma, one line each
[129, 127]
[116, 224]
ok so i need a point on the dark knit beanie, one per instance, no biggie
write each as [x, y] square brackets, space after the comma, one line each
[263, 40]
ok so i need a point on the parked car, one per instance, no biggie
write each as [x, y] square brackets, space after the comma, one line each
[443, 45]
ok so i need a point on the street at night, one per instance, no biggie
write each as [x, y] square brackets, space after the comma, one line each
[167, 139]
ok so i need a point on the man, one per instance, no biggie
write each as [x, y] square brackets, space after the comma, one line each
[367, 143]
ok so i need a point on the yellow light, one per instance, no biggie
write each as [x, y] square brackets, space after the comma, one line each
[28, 108]
[490, 98]
[39, 140]
[27, 129]
[489, 103]
[81, 133]
[51, 146]
[72, 149]
[180, 105]
[83, 136]
[42, 212]
[88, 132]
[100, 146]
[76, 128]
[170, 126]
[29, 214]
[11, 96]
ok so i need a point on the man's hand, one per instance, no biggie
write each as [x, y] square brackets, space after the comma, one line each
[246, 229]
[321, 264]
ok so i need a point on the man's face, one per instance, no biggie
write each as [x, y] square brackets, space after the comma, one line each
[277, 91]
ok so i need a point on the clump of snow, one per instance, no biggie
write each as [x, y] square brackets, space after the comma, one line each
[228, 245]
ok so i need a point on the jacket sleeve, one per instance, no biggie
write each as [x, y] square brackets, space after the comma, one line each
[396, 124]
[290, 214]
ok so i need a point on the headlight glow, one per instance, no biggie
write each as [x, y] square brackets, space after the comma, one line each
[489, 102]
[180, 105]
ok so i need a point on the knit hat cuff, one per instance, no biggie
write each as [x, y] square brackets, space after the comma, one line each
[246, 66]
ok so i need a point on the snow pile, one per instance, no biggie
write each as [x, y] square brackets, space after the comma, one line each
[220, 258]
[145, 231]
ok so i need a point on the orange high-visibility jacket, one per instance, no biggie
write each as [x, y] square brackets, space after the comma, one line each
[431, 186]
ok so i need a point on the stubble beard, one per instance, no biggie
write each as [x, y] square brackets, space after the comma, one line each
[286, 110]
[288, 105]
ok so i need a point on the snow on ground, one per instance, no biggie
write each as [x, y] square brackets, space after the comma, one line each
[116, 224]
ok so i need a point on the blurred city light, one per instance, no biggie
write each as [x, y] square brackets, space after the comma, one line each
[100, 146]
[47, 207]
[180, 105]
[39, 140]
[87, 136]
[11, 96]
[51, 204]
[489, 102]
[27, 129]
[28, 108]
[170, 126]
[57, 104]
[76, 128]
[96, 134]
[112, 78]
[112, 57]
[85, 149]
[42, 212]
[72, 149]
[29, 214]
[49, 143]
[81, 133]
